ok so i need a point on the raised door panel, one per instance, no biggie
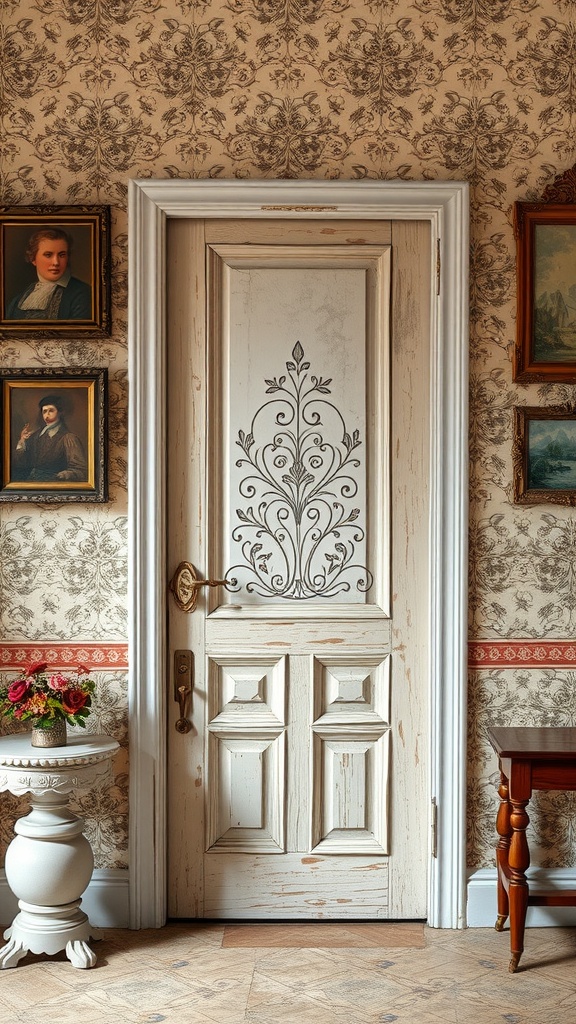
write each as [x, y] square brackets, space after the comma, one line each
[299, 451]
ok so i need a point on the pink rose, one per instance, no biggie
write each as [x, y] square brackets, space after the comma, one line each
[18, 690]
[57, 682]
[73, 700]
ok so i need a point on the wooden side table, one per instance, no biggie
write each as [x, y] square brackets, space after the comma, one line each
[530, 758]
[49, 863]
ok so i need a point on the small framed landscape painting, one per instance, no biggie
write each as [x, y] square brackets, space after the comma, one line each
[546, 292]
[544, 454]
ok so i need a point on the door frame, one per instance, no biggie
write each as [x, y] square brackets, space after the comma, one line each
[445, 206]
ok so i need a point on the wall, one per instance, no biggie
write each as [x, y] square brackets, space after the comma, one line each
[97, 93]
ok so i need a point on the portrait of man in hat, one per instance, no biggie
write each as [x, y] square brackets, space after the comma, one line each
[49, 451]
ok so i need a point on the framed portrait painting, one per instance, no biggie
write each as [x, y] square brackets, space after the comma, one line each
[544, 454]
[546, 280]
[55, 271]
[53, 435]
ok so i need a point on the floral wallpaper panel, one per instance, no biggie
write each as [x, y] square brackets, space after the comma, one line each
[95, 93]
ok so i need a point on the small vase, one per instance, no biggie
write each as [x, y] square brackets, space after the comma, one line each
[54, 736]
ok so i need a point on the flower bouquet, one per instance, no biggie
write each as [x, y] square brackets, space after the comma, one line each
[49, 701]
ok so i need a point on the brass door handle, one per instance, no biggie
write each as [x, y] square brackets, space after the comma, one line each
[185, 586]
[183, 686]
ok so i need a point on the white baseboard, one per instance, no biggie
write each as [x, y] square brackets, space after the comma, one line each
[105, 900]
[482, 907]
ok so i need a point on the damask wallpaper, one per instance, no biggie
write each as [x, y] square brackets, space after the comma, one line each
[95, 92]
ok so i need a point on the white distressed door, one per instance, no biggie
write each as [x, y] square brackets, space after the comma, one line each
[298, 433]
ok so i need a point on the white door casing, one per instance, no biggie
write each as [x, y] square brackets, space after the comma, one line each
[444, 205]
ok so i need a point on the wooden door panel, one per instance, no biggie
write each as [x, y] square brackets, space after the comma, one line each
[352, 811]
[351, 755]
[299, 886]
[298, 363]
[310, 701]
[247, 787]
[246, 755]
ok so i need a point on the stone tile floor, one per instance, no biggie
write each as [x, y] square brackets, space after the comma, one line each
[183, 974]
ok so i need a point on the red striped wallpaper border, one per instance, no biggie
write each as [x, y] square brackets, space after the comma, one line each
[108, 656]
[61, 655]
[522, 654]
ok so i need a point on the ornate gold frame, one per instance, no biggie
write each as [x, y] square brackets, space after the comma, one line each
[85, 390]
[525, 491]
[88, 228]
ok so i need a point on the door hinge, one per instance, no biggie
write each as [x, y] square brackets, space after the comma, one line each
[438, 266]
[434, 827]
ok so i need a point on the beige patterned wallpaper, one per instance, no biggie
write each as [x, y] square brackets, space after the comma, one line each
[95, 92]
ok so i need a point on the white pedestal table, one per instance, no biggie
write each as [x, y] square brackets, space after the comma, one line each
[49, 863]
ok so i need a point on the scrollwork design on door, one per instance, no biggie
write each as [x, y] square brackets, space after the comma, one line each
[299, 534]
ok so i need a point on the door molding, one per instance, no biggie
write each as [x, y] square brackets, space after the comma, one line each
[445, 206]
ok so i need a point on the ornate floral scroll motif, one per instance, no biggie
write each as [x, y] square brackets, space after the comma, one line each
[27, 66]
[385, 68]
[288, 15]
[492, 269]
[382, 64]
[97, 137]
[105, 810]
[289, 137]
[91, 564]
[547, 65]
[476, 135]
[289, 45]
[475, 15]
[492, 402]
[299, 534]
[192, 64]
[535, 570]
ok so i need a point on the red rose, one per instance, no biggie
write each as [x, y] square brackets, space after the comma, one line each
[17, 690]
[36, 666]
[73, 700]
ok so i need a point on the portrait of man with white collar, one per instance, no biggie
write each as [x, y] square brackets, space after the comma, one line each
[56, 294]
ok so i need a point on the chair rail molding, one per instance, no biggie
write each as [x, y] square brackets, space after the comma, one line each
[445, 206]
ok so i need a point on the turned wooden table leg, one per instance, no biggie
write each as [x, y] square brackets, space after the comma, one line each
[519, 862]
[504, 829]
[530, 758]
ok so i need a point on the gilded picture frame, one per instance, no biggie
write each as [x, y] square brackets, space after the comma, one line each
[53, 435]
[55, 271]
[544, 455]
[545, 347]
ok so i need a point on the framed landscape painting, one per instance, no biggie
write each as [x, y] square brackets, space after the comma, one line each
[546, 281]
[544, 455]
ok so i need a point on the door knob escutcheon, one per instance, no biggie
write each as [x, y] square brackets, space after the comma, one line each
[183, 686]
[185, 586]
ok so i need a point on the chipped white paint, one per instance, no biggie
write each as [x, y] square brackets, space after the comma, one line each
[299, 752]
[444, 207]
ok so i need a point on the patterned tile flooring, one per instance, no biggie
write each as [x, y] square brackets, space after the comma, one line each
[183, 974]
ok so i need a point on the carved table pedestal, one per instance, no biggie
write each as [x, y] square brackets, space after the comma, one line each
[49, 863]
